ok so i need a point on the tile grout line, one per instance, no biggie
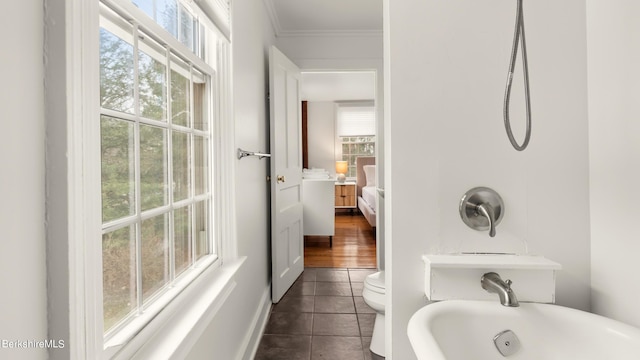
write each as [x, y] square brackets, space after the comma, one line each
[313, 317]
[355, 309]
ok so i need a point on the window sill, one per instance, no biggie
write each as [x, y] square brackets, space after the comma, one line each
[176, 329]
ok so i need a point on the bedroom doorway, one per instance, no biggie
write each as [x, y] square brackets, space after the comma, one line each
[340, 123]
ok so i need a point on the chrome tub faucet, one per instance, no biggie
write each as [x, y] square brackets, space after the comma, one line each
[492, 283]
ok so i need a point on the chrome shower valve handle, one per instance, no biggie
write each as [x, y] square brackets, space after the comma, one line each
[481, 208]
[487, 211]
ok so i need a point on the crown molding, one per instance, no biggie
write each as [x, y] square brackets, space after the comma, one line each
[273, 16]
[280, 32]
[330, 33]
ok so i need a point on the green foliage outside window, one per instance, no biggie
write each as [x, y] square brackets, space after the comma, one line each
[122, 294]
[354, 147]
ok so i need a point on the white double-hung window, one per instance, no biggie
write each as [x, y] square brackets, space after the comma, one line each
[355, 129]
[163, 79]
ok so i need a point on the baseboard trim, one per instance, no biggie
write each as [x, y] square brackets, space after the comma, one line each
[259, 323]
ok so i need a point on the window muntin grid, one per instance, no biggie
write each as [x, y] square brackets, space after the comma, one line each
[156, 174]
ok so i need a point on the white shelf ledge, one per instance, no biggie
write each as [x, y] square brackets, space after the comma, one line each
[490, 261]
[457, 276]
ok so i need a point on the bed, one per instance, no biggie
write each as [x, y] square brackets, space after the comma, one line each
[366, 187]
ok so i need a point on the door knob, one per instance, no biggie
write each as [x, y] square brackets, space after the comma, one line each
[280, 178]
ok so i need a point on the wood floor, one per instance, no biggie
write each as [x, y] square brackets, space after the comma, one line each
[354, 245]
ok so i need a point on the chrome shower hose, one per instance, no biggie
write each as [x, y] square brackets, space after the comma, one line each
[518, 36]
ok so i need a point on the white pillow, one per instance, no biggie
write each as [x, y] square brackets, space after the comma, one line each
[369, 175]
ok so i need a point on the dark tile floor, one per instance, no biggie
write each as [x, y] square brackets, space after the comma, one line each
[322, 316]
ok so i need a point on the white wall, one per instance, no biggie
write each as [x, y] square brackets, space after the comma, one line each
[22, 182]
[237, 323]
[321, 135]
[614, 143]
[447, 63]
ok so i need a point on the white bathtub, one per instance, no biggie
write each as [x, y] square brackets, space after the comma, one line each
[465, 330]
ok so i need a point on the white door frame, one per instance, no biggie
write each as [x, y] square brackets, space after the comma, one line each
[332, 66]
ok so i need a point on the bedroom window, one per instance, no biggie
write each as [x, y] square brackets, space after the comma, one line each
[356, 124]
[354, 147]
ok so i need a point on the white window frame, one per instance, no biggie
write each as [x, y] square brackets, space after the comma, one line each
[351, 173]
[174, 329]
[370, 133]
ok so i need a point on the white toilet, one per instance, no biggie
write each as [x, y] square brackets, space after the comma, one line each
[373, 294]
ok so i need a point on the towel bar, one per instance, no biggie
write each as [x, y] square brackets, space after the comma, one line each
[244, 153]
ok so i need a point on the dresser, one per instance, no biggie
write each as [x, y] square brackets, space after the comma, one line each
[318, 211]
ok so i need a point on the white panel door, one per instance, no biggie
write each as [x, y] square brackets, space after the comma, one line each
[287, 241]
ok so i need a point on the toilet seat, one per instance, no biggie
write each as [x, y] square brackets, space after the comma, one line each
[375, 282]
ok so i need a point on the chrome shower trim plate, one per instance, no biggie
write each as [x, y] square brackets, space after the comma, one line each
[469, 207]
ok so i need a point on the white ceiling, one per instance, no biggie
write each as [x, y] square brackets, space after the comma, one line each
[334, 18]
[338, 86]
[312, 17]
